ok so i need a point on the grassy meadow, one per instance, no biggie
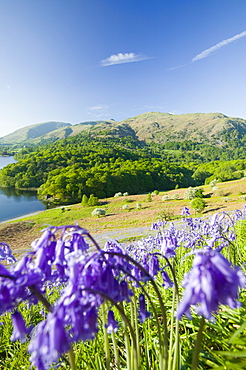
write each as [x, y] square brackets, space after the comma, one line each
[160, 342]
[21, 232]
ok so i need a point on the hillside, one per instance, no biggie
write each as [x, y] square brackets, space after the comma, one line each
[213, 128]
[201, 127]
[32, 132]
[122, 223]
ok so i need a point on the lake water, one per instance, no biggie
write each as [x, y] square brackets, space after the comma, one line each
[16, 203]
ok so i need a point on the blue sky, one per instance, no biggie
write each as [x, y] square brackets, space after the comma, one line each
[81, 60]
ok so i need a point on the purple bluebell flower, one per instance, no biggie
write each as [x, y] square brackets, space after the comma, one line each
[210, 282]
[168, 247]
[77, 242]
[161, 223]
[237, 215]
[143, 313]
[125, 292]
[167, 282]
[19, 327]
[185, 211]
[154, 266]
[154, 226]
[48, 342]
[112, 325]
[45, 238]
[4, 271]
[6, 253]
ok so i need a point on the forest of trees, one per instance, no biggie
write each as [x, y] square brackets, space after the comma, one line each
[66, 170]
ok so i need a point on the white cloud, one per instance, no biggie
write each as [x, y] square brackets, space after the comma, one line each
[98, 111]
[99, 107]
[103, 115]
[207, 52]
[121, 58]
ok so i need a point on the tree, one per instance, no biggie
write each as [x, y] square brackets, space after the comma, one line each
[84, 201]
[213, 184]
[198, 204]
[192, 193]
[92, 201]
[149, 198]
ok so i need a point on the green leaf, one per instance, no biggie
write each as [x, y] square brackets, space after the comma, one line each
[237, 332]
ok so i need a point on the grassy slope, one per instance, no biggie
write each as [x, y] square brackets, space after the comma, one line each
[32, 132]
[20, 233]
[150, 126]
[195, 126]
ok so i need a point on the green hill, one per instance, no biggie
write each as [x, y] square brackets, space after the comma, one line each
[213, 128]
[161, 127]
[32, 132]
[152, 151]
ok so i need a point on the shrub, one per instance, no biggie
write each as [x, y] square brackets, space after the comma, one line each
[155, 192]
[138, 205]
[175, 196]
[98, 212]
[125, 194]
[92, 201]
[166, 215]
[119, 194]
[198, 204]
[192, 193]
[125, 206]
[165, 197]
[213, 184]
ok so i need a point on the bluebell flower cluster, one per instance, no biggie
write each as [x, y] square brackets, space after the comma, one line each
[86, 277]
[6, 253]
[211, 282]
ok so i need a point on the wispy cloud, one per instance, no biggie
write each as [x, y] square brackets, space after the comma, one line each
[99, 107]
[177, 67]
[98, 111]
[121, 58]
[207, 52]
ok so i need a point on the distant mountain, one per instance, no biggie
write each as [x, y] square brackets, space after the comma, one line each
[150, 127]
[201, 127]
[32, 132]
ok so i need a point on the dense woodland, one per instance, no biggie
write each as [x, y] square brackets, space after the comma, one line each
[65, 170]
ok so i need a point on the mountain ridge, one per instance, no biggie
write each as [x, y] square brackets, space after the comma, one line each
[150, 127]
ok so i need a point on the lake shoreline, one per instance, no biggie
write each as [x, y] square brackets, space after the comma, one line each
[21, 217]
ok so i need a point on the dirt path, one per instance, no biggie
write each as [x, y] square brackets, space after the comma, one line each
[20, 235]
